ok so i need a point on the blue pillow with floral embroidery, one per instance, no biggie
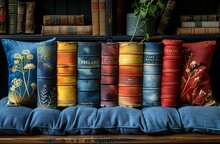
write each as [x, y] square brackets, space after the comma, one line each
[22, 72]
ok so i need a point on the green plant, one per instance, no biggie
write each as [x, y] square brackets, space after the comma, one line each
[144, 9]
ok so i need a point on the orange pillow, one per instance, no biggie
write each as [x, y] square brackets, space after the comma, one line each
[195, 80]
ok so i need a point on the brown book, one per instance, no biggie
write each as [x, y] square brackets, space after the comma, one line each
[200, 24]
[166, 17]
[120, 17]
[109, 74]
[66, 73]
[30, 18]
[197, 30]
[2, 17]
[66, 30]
[63, 20]
[95, 17]
[202, 17]
[102, 18]
[21, 14]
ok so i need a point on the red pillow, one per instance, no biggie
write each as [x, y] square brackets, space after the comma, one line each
[195, 81]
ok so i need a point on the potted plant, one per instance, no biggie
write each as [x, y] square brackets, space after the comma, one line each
[145, 12]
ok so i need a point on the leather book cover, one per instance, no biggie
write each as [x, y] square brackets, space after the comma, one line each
[12, 16]
[66, 73]
[30, 18]
[88, 73]
[171, 67]
[130, 74]
[46, 75]
[109, 74]
[66, 30]
[3, 26]
[152, 73]
[95, 17]
[21, 16]
[102, 17]
[63, 20]
[120, 22]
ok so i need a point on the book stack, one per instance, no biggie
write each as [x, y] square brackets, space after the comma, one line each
[152, 71]
[88, 73]
[130, 74]
[98, 9]
[66, 73]
[199, 24]
[65, 25]
[109, 74]
[171, 72]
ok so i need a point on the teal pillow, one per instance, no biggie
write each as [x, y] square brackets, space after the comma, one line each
[22, 72]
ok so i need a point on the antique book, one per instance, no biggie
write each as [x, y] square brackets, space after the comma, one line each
[166, 17]
[202, 17]
[46, 74]
[3, 22]
[21, 17]
[102, 17]
[88, 73]
[200, 24]
[130, 74]
[120, 18]
[95, 17]
[30, 18]
[66, 73]
[63, 20]
[152, 73]
[171, 72]
[109, 74]
[66, 30]
[197, 30]
[12, 16]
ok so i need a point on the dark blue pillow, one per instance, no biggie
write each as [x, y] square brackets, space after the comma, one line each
[22, 67]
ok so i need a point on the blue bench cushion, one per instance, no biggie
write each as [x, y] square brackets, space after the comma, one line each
[116, 120]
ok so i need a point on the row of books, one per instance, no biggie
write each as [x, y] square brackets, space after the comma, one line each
[126, 74]
[17, 17]
[199, 24]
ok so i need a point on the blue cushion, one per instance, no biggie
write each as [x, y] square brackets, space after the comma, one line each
[203, 119]
[22, 62]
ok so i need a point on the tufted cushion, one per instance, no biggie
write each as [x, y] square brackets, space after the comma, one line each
[88, 120]
[22, 67]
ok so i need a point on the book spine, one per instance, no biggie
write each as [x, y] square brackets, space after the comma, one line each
[205, 17]
[30, 18]
[171, 72]
[194, 30]
[120, 18]
[166, 17]
[66, 73]
[130, 74]
[46, 75]
[152, 73]
[109, 74]
[63, 20]
[102, 17]
[66, 30]
[21, 14]
[200, 24]
[3, 28]
[12, 16]
[95, 16]
[88, 73]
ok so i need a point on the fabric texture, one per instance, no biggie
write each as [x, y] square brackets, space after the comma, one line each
[195, 81]
[22, 68]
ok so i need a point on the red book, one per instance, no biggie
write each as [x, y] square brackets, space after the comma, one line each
[171, 72]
